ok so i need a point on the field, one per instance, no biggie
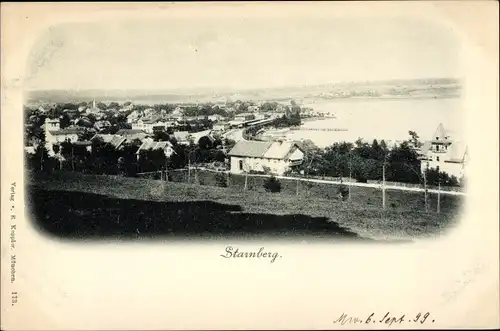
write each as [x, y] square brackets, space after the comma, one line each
[72, 205]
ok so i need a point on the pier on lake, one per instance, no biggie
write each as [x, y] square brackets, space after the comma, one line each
[318, 129]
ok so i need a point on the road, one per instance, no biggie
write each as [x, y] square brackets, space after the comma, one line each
[378, 186]
[324, 181]
[234, 134]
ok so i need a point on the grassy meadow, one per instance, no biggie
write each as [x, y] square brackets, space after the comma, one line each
[73, 205]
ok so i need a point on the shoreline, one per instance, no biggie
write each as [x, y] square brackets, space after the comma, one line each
[145, 101]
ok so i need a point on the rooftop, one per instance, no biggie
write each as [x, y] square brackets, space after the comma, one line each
[153, 145]
[66, 131]
[111, 139]
[129, 132]
[440, 135]
[181, 135]
[264, 149]
[250, 148]
[458, 152]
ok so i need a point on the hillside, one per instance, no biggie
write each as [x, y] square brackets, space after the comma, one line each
[72, 205]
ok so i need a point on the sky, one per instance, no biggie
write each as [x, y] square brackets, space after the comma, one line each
[231, 53]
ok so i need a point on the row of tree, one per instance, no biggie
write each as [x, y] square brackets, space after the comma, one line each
[363, 161]
[104, 158]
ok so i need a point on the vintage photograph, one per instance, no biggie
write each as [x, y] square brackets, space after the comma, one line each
[305, 129]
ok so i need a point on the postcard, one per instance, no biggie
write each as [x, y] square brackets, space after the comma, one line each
[234, 165]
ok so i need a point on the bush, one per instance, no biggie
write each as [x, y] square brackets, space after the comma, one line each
[435, 177]
[272, 185]
[343, 191]
[221, 180]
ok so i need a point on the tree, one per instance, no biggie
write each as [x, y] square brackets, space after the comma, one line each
[337, 159]
[403, 164]
[34, 134]
[287, 121]
[229, 144]
[243, 107]
[436, 177]
[314, 162]
[152, 160]
[205, 142]
[160, 135]
[114, 104]
[86, 135]
[116, 119]
[104, 157]
[377, 151]
[66, 149]
[219, 156]
[269, 106]
[178, 159]
[294, 108]
[64, 121]
[414, 139]
[272, 185]
[383, 146]
[158, 158]
[136, 142]
[40, 160]
[55, 149]
[127, 162]
[92, 119]
[343, 192]
[221, 180]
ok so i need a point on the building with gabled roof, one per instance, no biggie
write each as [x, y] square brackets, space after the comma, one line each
[132, 134]
[114, 140]
[149, 144]
[182, 137]
[276, 157]
[54, 135]
[444, 154]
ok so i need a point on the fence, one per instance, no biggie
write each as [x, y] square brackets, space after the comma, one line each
[418, 186]
[408, 198]
[205, 176]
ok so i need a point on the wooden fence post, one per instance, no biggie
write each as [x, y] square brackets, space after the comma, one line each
[383, 185]
[439, 198]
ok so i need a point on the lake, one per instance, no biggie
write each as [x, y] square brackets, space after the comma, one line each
[388, 119]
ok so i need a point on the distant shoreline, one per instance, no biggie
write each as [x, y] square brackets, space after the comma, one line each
[419, 88]
[319, 100]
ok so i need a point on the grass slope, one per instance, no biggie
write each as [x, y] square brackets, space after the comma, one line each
[72, 205]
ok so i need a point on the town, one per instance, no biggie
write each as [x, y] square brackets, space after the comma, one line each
[226, 137]
[240, 148]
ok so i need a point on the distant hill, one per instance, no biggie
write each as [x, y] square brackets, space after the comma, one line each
[409, 88]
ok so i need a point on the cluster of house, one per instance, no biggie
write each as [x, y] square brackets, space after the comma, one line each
[276, 156]
[54, 135]
[149, 120]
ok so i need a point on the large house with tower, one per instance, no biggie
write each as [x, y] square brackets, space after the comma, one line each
[445, 154]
